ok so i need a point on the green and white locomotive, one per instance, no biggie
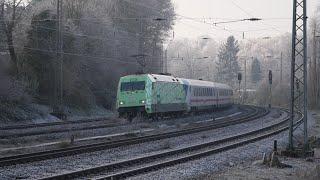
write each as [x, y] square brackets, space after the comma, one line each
[153, 95]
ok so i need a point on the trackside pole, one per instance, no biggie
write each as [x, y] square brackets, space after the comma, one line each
[298, 100]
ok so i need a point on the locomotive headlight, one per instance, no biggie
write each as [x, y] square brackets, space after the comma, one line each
[121, 102]
[143, 102]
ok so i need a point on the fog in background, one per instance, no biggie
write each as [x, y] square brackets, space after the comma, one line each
[107, 39]
[277, 15]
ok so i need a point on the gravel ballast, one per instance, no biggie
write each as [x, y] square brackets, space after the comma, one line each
[207, 168]
[22, 142]
[64, 164]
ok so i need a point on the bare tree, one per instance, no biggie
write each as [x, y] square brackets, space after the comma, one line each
[11, 11]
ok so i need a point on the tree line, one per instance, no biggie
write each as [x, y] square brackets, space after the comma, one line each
[102, 40]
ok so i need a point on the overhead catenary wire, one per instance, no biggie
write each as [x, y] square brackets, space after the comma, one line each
[251, 15]
[107, 58]
[147, 18]
[190, 18]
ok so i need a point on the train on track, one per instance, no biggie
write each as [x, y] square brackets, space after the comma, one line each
[154, 95]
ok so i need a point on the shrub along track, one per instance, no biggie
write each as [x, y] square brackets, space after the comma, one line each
[50, 154]
[143, 164]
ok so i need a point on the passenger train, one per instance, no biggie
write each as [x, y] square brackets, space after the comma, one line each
[154, 95]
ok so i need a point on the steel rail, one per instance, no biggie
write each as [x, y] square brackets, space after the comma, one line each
[25, 126]
[34, 133]
[50, 154]
[6, 135]
[165, 154]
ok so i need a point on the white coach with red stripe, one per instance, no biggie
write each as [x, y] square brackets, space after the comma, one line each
[203, 95]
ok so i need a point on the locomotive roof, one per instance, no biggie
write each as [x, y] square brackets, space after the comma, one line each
[164, 78]
[192, 82]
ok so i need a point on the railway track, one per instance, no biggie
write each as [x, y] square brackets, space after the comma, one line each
[5, 135]
[143, 164]
[9, 132]
[26, 126]
[50, 154]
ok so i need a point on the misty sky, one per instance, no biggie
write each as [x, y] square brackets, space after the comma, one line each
[277, 15]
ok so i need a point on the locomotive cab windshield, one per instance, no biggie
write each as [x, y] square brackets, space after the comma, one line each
[132, 86]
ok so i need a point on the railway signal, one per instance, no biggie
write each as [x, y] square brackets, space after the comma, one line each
[270, 77]
[270, 88]
[239, 79]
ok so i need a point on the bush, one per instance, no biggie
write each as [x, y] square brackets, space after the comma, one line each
[14, 90]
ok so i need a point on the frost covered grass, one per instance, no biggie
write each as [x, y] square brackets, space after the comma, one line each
[15, 112]
[12, 113]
